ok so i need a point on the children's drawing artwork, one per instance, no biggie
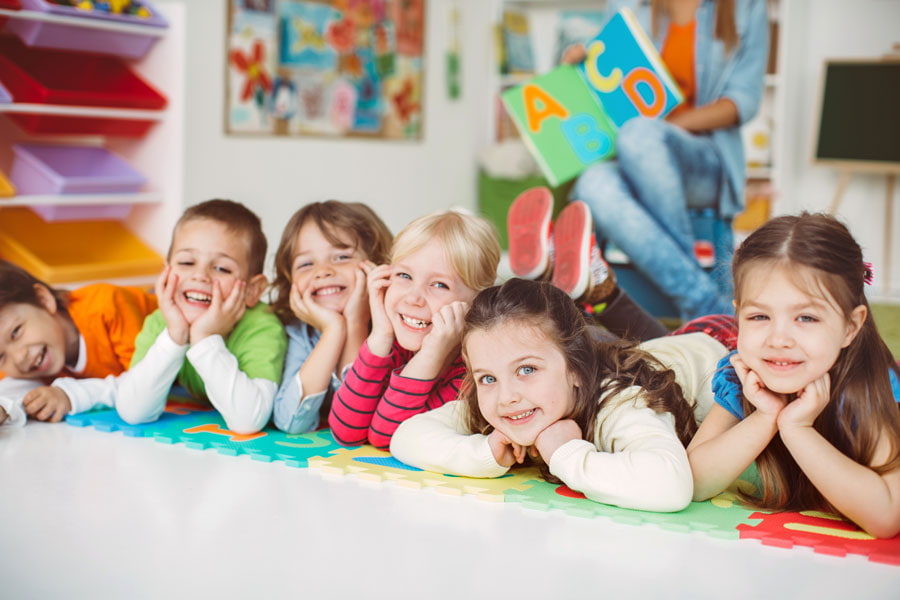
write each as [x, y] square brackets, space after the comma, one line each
[326, 68]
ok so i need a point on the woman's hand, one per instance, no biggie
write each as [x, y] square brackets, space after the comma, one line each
[766, 401]
[506, 452]
[573, 55]
[555, 435]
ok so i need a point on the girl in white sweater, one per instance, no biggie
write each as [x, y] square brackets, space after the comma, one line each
[608, 420]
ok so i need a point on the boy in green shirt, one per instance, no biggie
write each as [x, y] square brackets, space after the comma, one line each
[210, 332]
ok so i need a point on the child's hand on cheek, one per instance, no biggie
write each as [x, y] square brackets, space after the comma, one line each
[810, 401]
[382, 335]
[309, 311]
[765, 400]
[555, 435]
[176, 323]
[222, 314]
[446, 330]
[506, 452]
[357, 311]
[47, 403]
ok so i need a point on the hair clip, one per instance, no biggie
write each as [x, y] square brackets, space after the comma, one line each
[868, 273]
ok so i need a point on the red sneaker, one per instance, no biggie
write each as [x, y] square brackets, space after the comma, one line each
[528, 226]
[572, 241]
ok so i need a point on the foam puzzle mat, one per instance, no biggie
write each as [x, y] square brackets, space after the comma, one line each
[722, 517]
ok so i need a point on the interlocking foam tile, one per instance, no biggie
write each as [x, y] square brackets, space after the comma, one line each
[718, 517]
[369, 464]
[824, 533]
[202, 428]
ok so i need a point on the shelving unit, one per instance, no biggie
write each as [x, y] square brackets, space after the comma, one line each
[158, 154]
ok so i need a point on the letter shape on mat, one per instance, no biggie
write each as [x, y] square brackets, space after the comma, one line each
[533, 96]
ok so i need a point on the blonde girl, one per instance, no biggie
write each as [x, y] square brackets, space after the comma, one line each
[320, 295]
[808, 395]
[608, 420]
[410, 362]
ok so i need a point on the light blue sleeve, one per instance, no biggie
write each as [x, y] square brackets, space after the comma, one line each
[745, 84]
[290, 415]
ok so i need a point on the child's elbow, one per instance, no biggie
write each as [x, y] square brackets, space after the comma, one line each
[134, 416]
[882, 528]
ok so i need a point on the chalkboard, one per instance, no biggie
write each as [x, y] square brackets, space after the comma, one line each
[860, 113]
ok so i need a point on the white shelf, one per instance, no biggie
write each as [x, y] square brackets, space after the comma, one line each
[80, 199]
[85, 22]
[759, 172]
[83, 111]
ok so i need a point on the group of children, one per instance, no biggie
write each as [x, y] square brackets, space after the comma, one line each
[407, 343]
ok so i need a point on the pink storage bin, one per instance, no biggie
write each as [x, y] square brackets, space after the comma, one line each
[82, 212]
[52, 169]
[84, 39]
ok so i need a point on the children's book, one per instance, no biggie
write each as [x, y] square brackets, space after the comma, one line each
[626, 72]
[561, 122]
[569, 116]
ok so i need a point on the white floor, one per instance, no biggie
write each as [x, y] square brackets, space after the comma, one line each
[85, 514]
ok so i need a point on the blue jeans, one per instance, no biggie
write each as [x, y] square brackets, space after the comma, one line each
[640, 204]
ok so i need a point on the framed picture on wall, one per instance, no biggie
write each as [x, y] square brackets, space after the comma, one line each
[333, 68]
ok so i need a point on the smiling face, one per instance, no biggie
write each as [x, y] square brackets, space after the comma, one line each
[422, 283]
[328, 269]
[521, 379]
[33, 339]
[206, 251]
[788, 336]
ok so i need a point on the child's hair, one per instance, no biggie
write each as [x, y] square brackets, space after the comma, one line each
[17, 287]
[238, 219]
[830, 265]
[470, 243]
[600, 369]
[341, 223]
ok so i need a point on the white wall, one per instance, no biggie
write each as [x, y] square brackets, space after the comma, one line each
[817, 30]
[275, 176]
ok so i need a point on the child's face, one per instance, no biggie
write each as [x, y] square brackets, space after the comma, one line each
[329, 269]
[422, 283]
[32, 341]
[204, 251]
[521, 379]
[787, 336]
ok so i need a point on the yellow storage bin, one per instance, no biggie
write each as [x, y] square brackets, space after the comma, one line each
[63, 252]
[7, 189]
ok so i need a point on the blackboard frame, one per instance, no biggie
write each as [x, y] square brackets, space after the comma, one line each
[830, 98]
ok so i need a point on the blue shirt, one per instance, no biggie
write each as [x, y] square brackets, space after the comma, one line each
[728, 394]
[738, 76]
[291, 415]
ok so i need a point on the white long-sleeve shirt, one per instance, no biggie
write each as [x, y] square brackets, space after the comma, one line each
[635, 461]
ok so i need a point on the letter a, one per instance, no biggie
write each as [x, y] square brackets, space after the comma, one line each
[540, 105]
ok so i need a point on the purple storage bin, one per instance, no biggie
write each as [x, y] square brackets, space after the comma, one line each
[82, 212]
[84, 39]
[49, 169]
[5, 96]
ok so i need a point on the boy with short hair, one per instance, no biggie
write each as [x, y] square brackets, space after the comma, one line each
[211, 332]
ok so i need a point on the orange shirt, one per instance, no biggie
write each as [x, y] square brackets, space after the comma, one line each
[109, 317]
[678, 54]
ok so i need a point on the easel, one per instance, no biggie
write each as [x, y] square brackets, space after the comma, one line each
[891, 176]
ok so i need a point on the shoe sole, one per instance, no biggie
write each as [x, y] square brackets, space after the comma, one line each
[572, 245]
[528, 227]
